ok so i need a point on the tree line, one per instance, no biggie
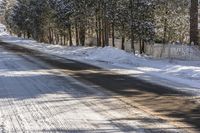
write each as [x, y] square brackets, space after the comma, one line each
[67, 21]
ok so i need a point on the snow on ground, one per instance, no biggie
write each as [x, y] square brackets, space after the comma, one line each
[179, 74]
[35, 97]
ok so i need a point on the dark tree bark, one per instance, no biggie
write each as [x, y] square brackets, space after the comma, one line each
[24, 34]
[100, 41]
[49, 36]
[100, 32]
[61, 39]
[82, 35]
[143, 48]
[194, 22]
[97, 27]
[165, 32]
[113, 34]
[123, 41]
[65, 39]
[106, 33]
[70, 35]
[123, 38]
[132, 28]
[28, 34]
[52, 35]
[77, 35]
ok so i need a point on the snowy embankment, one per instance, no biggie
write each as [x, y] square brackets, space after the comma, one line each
[182, 75]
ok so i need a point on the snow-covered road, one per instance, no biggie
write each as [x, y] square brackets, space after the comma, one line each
[35, 97]
[181, 75]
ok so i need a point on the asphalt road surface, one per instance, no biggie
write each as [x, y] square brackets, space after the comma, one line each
[46, 93]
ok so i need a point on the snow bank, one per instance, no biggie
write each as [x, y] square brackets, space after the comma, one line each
[183, 75]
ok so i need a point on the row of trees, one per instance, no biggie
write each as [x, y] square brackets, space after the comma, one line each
[143, 21]
[57, 21]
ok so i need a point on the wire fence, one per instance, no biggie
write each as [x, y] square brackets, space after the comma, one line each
[174, 51]
[160, 51]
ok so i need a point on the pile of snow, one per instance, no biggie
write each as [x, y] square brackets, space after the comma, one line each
[184, 75]
[3, 30]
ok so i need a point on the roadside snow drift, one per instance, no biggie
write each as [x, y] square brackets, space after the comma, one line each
[183, 75]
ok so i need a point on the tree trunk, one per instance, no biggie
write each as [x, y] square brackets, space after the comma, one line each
[164, 35]
[57, 38]
[132, 32]
[140, 43]
[194, 22]
[123, 41]
[49, 37]
[65, 39]
[61, 39]
[99, 24]
[123, 37]
[97, 28]
[103, 32]
[52, 35]
[141, 46]
[28, 34]
[70, 36]
[106, 32]
[19, 34]
[143, 43]
[165, 32]
[24, 34]
[82, 35]
[113, 34]
[77, 35]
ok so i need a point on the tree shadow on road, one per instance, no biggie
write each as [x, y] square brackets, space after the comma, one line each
[165, 101]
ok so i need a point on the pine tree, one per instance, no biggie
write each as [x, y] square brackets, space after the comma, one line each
[3, 5]
[56, 21]
[171, 19]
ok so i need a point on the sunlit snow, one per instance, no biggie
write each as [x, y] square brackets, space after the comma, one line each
[175, 73]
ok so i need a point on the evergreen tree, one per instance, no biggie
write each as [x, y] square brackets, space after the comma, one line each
[172, 22]
[56, 21]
